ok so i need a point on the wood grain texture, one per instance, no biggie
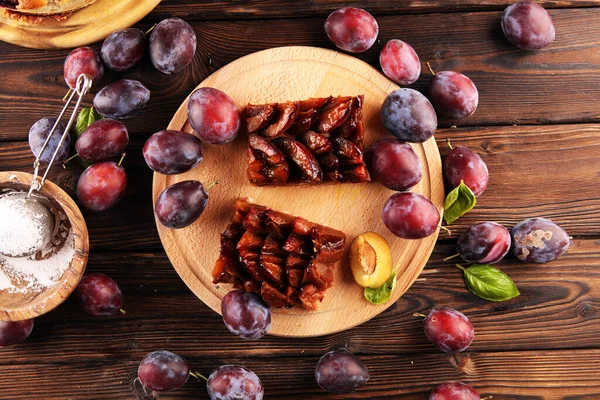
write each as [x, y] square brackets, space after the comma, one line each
[554, 174]
[541, 345]
[557, 309]
[555, 85]
[33, 303]
[261, 9]
[515, 354]
[533, 375]
[82, 27]
[266, 77]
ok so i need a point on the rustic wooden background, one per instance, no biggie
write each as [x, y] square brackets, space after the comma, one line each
[537, 127]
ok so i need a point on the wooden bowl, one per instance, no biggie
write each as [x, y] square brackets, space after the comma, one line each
[19, 306]
[296, 73]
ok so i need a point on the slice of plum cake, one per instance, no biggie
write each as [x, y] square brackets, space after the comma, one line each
[304, 142]
[286, 260]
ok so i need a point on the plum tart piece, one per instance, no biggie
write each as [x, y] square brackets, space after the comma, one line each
[45, 7]
[286, 260]
[304, 142]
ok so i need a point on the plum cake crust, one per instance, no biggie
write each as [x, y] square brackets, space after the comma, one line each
[286, 260]
[41, 8]
[304, 142]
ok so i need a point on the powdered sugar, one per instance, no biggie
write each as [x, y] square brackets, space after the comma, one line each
[37, 272]
[26, 225]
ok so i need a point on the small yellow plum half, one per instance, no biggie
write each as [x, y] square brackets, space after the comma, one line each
[370, 260]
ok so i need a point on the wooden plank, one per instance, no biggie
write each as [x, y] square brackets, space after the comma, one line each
[548, 171]
[531, 375]
[555, 311]
[559, 84]
[535, 171]
[240, 9]
[35, 86]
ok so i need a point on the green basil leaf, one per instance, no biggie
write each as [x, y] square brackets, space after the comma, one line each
[383, 293]
[458, 202]
[86, 117]
[490, 283]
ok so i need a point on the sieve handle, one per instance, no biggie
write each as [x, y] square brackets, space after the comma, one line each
[84, 83]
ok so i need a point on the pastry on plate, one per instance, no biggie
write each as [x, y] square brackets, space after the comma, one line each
[305, 142]
[44, 7]
[286, 260]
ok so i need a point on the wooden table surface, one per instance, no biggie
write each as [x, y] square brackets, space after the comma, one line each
[537, 127]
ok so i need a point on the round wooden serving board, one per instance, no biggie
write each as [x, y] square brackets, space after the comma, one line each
[85, 26]
[296, 73]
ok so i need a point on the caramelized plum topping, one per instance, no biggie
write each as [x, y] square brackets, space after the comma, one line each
[286, 115]
[320, 275]
[350, 125]
[258, 116]
[305, 120]
[295, 244]
[302, 158]
[297, 141]
[276, 255]
[302, 227]
[250, 240]
[310, 297]
[240, 209]
[251, 286]
[315, 142]
[294, 277]
[328, 244]
[297, 261]
[254, 219]
[267, 165]
[357, 174]
[273, 247]
[348, 153]
[253, 268]
[273, 271]
[314, 103]
[334, 114]
[278, 225]
[274, 298]
[329, 162]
